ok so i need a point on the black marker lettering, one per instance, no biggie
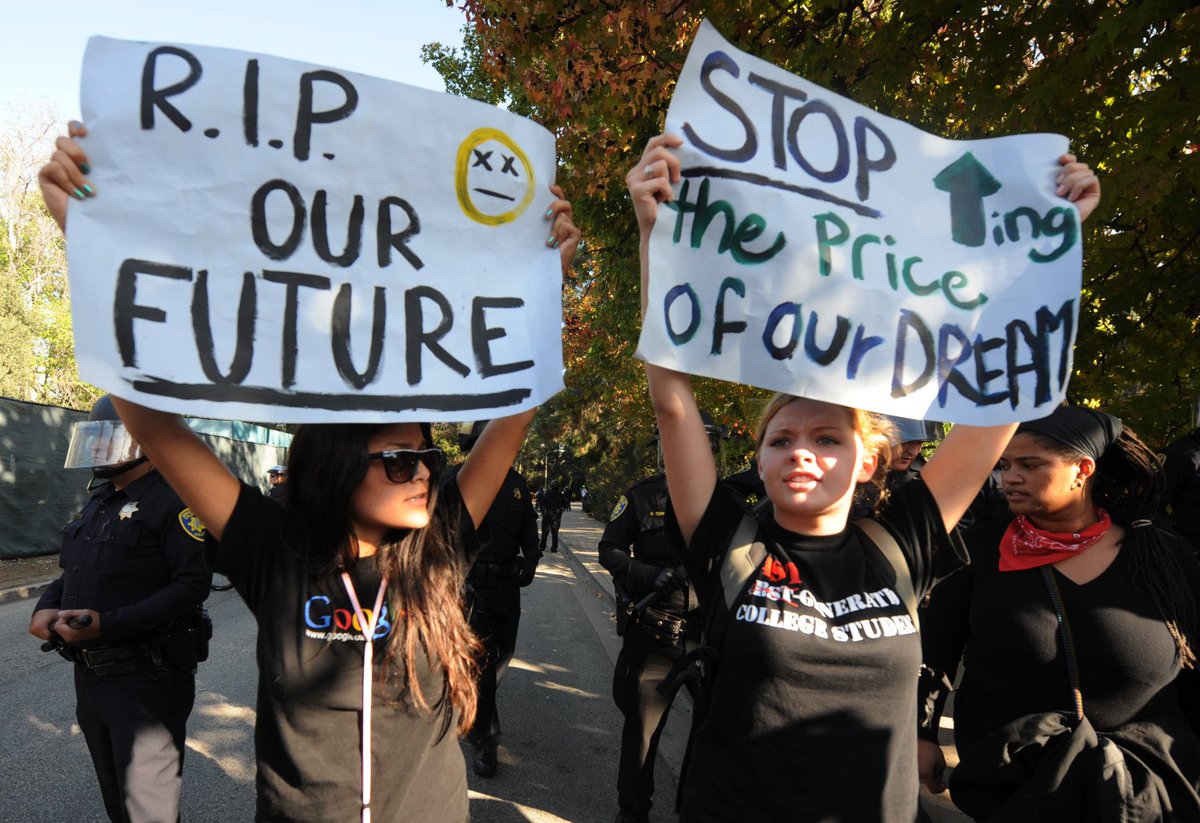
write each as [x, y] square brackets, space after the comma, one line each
[340, 339]
[157, 98]
[126, 310]
[417, 338]
[247, 315]
[306, 117]
[482, 334]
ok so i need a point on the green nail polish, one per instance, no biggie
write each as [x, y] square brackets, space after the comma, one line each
[548, 213]
[78, 194]
[550, 240]
[554, 245]
[90, 191]
[85, 168]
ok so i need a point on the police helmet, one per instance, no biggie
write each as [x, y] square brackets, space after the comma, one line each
[909, 430]
[102, 441]
[468, 435]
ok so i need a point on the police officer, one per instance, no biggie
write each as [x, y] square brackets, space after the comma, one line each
[277, 477]
[1181, 493]
[126, 611]
[552, 503]
[658, 620]
[506, 563]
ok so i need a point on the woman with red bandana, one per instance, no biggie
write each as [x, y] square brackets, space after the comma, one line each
[1083, 489]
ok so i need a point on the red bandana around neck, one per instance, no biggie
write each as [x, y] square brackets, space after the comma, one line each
[1025, 546]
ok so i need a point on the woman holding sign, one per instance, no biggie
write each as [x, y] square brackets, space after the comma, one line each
[355, 585]
[1081, 587]
[809, 691]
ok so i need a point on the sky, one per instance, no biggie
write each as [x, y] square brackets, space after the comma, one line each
[42, 41]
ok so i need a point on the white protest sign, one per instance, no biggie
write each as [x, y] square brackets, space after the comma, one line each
[273, 240]
[819, 248]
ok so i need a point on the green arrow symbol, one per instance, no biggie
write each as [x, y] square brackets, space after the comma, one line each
[967, 182]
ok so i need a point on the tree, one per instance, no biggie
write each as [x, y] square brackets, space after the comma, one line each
[36, 347]
[1118, 77]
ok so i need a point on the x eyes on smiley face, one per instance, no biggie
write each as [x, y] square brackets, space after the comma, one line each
[493, 179]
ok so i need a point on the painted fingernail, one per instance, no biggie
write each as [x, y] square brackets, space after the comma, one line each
[548, 213]
[550, 241]
[78, 194]
[85, 168]
[554, 245]
[74, 124]
[88, 190]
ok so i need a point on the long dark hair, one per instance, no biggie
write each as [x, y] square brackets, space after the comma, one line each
[1128, 485]
[425, 567]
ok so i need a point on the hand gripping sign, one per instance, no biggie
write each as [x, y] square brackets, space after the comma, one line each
[819, 248]
[275, 240]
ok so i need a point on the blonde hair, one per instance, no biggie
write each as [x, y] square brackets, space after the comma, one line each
[876, 431]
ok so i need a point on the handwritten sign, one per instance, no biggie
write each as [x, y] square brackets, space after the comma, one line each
[278, 241]
[817, 247]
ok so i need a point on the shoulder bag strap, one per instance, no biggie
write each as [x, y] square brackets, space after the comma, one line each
[874, 531]
[744, 556]
[1068, 641]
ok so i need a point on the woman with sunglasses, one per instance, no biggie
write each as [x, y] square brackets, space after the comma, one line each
[355, 585]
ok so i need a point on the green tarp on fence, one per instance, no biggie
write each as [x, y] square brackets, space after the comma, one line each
[38, 496]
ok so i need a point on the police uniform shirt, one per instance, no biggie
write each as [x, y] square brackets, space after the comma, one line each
[637, 520]
[136, 556]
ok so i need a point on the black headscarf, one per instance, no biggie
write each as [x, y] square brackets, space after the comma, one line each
[1084, 430]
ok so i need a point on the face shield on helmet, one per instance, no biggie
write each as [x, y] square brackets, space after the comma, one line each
[101, 444]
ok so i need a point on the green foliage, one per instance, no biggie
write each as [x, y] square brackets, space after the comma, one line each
[1119, 78]
[37, 356]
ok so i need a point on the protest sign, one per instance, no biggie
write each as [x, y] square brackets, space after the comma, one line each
[817, 247]
[273, 240]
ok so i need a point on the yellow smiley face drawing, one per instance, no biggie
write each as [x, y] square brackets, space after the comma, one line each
[493, 178]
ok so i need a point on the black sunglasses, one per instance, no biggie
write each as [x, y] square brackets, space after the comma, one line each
[401, 464]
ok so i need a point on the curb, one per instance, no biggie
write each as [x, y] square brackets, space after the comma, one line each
[30, 591]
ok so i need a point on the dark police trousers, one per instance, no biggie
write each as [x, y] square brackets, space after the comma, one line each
[641, 666]
[495, 616]
[134, 725]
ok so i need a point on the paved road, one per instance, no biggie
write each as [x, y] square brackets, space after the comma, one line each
[557, 757]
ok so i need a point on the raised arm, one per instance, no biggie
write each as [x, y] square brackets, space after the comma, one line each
[961, 464]
[688, 460]
[193, 471]
[196, 474]
[490, 459]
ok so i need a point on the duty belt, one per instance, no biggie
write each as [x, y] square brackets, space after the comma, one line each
[666, 627]
[112, 660]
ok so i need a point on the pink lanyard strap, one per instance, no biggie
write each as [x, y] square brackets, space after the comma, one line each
[368, 631]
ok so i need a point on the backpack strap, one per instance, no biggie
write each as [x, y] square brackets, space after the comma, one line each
[882, 539]
[744, 556]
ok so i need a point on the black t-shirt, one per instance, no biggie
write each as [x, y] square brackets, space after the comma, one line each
[307, 737]
[1013, 659]
[813, 705]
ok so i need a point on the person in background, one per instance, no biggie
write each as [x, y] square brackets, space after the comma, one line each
[506, 564]
[552, 503]
[658, 621]
[127, 612]
[1181, 493]
[1082, 551]
[277, 477]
